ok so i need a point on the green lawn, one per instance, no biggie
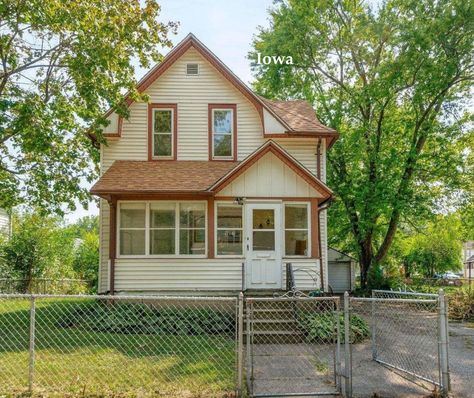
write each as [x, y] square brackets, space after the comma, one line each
[76, 360]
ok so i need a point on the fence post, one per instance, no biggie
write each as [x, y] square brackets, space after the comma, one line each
[240, 347]
[347, 348]
[31, 365]
[338, 346]
[443, 344]
[249, 370]
[373, 327]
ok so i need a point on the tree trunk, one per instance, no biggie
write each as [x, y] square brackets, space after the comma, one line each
[365, 259]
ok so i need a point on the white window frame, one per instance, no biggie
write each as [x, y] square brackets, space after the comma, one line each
[147, 254]
[153, 133]
[232, 132]
[228, 204]
[309, 248]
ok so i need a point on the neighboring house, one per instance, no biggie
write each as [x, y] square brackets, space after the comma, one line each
[341, 271]
[210, 187]
[4, 222]
[468, 258]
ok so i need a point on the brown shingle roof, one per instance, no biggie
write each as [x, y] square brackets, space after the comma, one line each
[299, 115]
[127, 176]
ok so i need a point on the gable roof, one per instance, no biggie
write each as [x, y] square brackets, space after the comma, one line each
[296, 116]
[272, 147]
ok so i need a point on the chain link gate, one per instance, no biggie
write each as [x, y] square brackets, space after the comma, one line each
[407, 332]
[293, 346]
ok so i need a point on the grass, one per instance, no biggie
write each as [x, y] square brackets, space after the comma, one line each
[77, 361]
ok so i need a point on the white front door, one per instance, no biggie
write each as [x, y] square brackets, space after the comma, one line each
[263, 245]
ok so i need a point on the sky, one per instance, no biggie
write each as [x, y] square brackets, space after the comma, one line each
[226, 28]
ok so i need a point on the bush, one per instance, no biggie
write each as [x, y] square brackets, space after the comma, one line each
[321, 328]
[129, 318]
[461, 304]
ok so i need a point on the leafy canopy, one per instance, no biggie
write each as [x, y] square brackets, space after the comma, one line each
[62, 63]
[394, 81]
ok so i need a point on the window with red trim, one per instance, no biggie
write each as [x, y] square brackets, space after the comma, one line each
[222, 134]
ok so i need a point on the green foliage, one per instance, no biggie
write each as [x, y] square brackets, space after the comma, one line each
[86, 258]
[436, 248]
[139, 319]
[321, 327]
[38, 248]
[393, 81]
[62, 64]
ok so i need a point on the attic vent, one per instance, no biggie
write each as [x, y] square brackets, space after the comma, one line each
[192, 69]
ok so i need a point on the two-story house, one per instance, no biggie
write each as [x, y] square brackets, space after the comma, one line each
[210, 187]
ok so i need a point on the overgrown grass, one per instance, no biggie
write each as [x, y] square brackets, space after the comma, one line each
[116, 355]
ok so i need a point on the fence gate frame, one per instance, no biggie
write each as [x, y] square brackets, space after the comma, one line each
[392, 297]
[250, 343]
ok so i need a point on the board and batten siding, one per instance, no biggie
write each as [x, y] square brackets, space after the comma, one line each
[192, 94]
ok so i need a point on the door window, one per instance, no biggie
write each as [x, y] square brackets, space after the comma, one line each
[263, 229]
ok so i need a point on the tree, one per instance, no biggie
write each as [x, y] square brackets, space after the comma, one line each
[393, 82]
[437, 248]
[86, 258]
[62, 63]
[37, 248]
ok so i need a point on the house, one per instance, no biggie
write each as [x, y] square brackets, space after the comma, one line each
[468, 258]
[209, 187]
[5, 223]
[341, 271]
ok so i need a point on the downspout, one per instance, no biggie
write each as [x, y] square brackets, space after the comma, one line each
[323, 206]
[318, 159]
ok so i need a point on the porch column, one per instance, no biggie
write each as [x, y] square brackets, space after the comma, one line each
[210, 227]
[112, 241]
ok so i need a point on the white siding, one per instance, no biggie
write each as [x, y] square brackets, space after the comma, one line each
[272, 126]
[269, 177]
[4, 222]
[192, 94]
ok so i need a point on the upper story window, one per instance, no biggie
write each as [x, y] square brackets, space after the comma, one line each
[223, 131]
[162, 131]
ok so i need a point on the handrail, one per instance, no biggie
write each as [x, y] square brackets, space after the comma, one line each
[290, 278]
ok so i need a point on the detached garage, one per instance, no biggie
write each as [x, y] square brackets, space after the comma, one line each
[341, 271]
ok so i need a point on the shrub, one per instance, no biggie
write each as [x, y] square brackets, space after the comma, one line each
[129, 318]
[321, 327]
[461, 304]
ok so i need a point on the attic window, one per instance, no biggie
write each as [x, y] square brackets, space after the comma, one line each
[192, 69]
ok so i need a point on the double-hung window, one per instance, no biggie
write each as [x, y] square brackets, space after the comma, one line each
[162, 228]
[132, 228]
[296, 230]
[163, 131]
[229, 230]
[223, 132]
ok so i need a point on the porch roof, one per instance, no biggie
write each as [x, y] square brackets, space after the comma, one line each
[184, 176]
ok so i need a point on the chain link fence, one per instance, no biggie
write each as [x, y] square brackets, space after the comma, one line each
[137, 346]
[293, 346]
[103, 345]
[407, 332]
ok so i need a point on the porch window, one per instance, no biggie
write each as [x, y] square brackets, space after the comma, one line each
[296, 230]
[229, 230]
[162, 228]
[222, 134]
[132, 228]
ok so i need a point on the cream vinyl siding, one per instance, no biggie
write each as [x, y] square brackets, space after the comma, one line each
[192, 94]
[269, 177]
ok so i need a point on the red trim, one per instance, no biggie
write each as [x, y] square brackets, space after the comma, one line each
[112, 241]
[210, 228]
[315, 233]
[150, 130]
[271, 146]
[211, 107]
